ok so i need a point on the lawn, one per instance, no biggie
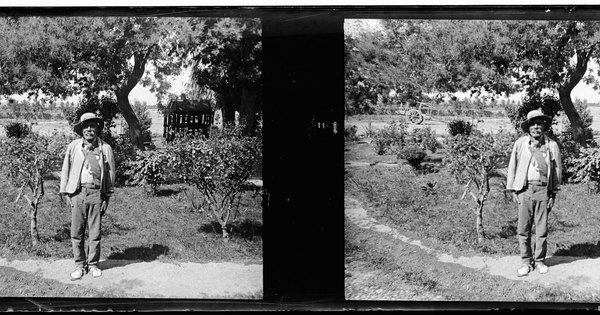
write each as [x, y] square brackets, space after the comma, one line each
[443, 219]
[135, 227]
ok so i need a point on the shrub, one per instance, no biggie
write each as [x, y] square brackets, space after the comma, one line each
[425, 138]
[459, 127]
[218, 167]
[585, 168]
[474, 160]
[124, 151]
[25, 161]
[390, 137]
[17, 130]
[413, 154]
[350, 133]
[370, 131]
[147, 169]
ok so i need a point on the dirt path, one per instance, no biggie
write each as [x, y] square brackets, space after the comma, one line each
[158, 279]
[575, 273]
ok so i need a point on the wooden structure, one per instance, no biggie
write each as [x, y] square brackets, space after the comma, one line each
[187, 116]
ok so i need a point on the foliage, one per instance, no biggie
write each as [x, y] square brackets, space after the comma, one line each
[147, 169]
[447, 56]
[586, 169]
[218, 167]
[17, 130]
[26, 161]
[548, 103]
[143, 114]
[350, 133]
[413, 154]
[124, 152]
[471, 156]
[228, 67]
[370, 131]
[103, 106]
[390, 137]
[425, 138]
[460, 127]
[474, 160]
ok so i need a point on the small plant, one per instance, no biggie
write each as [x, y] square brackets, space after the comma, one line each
[370, 131]
[413, 154]
[147, 169]
[430, 188]
[390, 138]
[17, 130]
[425, 138]
[350, 133]
[460, 127]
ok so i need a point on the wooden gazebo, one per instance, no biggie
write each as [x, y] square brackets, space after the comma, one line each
[188, 116]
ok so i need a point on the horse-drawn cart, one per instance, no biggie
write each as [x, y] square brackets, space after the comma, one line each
[414, 114]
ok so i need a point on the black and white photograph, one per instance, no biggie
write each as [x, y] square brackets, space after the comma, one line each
[471, 159]
[130, 156]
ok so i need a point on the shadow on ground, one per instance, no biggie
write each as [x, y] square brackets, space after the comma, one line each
[246, 229]
[119, 257]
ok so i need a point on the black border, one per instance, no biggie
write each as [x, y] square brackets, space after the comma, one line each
[303, 176]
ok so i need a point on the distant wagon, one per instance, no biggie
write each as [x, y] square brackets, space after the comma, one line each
[187, 116]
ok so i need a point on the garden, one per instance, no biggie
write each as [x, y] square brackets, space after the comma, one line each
[447, 190]
[188, 200]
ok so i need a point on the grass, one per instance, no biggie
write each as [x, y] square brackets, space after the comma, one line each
[440, 217]
[422, 277]
[135, 227]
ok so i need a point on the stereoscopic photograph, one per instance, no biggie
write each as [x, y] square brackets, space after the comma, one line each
[471, 160]
[130, 157]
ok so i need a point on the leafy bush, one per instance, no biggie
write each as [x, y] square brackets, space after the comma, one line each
[517, 113]
[413, 154]
[391, 137]
[218, 167]
[585, 168]
[25, 161]
[370, 131]
[424, 138]
[124, 151]
[460, 127]
[350, 133]
[17, 130]
[147, 169]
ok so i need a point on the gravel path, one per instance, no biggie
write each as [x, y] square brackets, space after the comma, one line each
[575, 273]
[158, 279]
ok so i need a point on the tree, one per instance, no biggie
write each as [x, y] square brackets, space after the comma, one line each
[25, 161]
[61, 56]
[229, 64]
[218, 167]
[499, 57]
[475, 159]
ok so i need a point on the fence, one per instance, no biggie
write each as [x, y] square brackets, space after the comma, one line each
[191, 124]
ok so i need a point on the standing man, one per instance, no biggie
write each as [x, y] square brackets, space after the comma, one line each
[534, 177]
[87, 180]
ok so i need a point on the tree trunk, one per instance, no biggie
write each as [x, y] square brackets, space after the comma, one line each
[248, 110]
[564, 92]
[122, 94]
[479, 223]
[135, 128]
[571, 112]
[33, 230]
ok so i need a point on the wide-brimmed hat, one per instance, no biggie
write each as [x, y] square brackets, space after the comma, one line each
[536, 113]
[78, 127]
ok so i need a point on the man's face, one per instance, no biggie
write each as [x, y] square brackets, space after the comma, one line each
[537, 128]
[89, 130]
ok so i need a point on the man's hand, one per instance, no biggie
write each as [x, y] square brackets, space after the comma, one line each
[103, 206]
[551, 202]
[515, 197]
[68, 200]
